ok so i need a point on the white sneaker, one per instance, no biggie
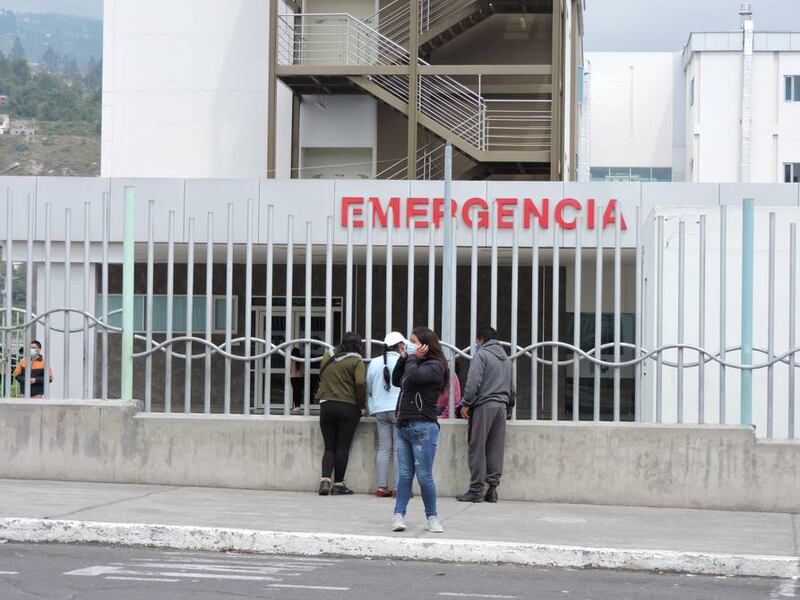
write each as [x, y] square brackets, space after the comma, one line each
[398, 522]
[435, 525]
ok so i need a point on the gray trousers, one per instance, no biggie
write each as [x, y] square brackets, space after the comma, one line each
[387, 452]
[487, 444]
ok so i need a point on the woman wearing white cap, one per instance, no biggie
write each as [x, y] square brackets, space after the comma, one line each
[382, 402]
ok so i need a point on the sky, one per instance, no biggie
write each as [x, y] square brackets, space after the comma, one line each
[664, 25]
[621, 25]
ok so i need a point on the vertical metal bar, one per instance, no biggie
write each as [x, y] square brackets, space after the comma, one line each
[47, 275]
[576, 322]
[228, 307]
[660, 320]
[534, 320]
[453, 310]
[473, 288]
[681, 311]
[639, 256]
[617, 314]
[68, 298]
[307, 335]
[431, 280]
[128, 266]
[771, 330]
[410, 286]
[555, 326]
[368, 334]
[514, 301]
[389, 279]
[348, 317]
[329, 284]
[170, 312]
[792, 324]
[29, 298]
[748, 247]
[209, 310]
[723, 308]
[248, 309]
[187, 375]
[493, 269]
[7, 351]
[701, 325]
[287, 392]
[86, 294]
[269, 304]
[104, 287]
[447, 263]
[148, 362]
[598, 311]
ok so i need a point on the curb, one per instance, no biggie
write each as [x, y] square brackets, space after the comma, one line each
[216, 539]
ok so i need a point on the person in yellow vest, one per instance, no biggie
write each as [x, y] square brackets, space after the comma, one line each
[37, 371]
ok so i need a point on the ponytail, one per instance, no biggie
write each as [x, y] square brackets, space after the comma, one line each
[387, 376]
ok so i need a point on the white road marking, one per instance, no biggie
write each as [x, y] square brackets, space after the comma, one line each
[9, 572]
[94, 571]
[156, 579]
[465, 595]
[309, 587]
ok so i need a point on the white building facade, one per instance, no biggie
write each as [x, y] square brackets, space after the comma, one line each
[701, 114]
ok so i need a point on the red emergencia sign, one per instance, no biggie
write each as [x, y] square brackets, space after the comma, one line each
[424, 212]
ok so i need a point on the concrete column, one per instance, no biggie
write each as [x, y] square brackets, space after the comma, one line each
[272, 87]
[413, 91]
[556, 147]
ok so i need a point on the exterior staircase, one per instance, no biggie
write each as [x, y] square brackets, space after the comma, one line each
[334, 50]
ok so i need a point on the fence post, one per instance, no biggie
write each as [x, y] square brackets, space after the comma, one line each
[746, 396]
[126, 391]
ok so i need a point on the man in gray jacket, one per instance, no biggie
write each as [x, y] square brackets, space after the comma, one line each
[489, 398]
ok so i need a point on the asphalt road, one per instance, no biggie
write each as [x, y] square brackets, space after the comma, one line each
[56, 572]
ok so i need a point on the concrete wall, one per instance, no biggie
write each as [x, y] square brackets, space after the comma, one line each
[632, 109]
[647, 465]
[185, 93]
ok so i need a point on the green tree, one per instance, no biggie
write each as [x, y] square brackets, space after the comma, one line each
[51, 59]
[17, 49]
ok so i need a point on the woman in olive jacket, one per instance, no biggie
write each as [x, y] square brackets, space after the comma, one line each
[422, 374]
[342, 396]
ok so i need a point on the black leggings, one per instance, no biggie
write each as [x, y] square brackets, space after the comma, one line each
[298, 385]
[338, 421]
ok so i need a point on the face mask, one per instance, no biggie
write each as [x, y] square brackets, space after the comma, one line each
[476, 349]
[411, 347]
[34, 352]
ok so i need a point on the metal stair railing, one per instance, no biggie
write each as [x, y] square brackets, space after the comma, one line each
[341, 39]
[334, 39]
[392, 21]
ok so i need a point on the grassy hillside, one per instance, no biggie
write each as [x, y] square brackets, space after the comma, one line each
[60, 149]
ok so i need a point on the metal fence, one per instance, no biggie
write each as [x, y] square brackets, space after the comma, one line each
[210, 324]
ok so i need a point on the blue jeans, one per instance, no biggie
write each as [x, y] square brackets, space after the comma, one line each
[416, 450]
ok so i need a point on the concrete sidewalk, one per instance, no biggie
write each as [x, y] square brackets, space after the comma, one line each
[692, 541]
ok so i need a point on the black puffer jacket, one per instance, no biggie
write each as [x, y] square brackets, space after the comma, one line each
[421, 382]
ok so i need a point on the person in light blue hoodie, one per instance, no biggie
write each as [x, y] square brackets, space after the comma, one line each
[382, 403]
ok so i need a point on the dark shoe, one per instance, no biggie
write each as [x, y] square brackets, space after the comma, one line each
[340, 489]
[382, 492]
[470, 496]
[324, 487]
[491, 494]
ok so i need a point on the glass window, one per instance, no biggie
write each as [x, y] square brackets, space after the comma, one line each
[662, 175]
[791, 172]
[792, 88]
[178, 313]
[599, 173]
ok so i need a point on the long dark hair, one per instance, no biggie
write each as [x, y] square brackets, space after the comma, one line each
[387, 375]
[431, 340]
[351, 342]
